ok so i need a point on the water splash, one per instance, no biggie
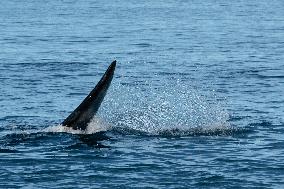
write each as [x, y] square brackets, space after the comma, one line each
[153, 109]
[95, 126]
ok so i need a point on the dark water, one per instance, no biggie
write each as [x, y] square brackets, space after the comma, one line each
[197, 99]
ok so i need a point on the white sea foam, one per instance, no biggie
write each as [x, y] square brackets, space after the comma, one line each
[96, 125]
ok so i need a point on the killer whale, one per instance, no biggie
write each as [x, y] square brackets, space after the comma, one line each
[82, 115]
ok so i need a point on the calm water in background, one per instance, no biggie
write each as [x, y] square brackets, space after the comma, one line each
[197, 99]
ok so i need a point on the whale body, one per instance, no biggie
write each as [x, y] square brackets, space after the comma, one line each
[83, 114]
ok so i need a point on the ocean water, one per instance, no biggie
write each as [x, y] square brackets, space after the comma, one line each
[196, 101]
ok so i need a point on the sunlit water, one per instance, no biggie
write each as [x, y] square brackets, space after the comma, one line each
[196, 102]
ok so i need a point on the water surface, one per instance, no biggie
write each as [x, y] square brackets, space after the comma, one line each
[196, 102]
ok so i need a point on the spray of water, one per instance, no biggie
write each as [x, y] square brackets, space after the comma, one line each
[167, 108]
[96, 125]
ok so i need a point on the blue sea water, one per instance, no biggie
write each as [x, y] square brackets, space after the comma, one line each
[196, 102]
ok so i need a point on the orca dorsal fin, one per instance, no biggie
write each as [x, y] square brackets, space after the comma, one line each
[82, 115]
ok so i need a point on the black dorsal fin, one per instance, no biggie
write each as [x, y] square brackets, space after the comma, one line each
[83, 114]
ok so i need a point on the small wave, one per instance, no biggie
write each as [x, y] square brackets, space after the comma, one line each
[209, 131]
[177, 132]
[143, 45]
[16, 138]
[6, 150]
[54, 140]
